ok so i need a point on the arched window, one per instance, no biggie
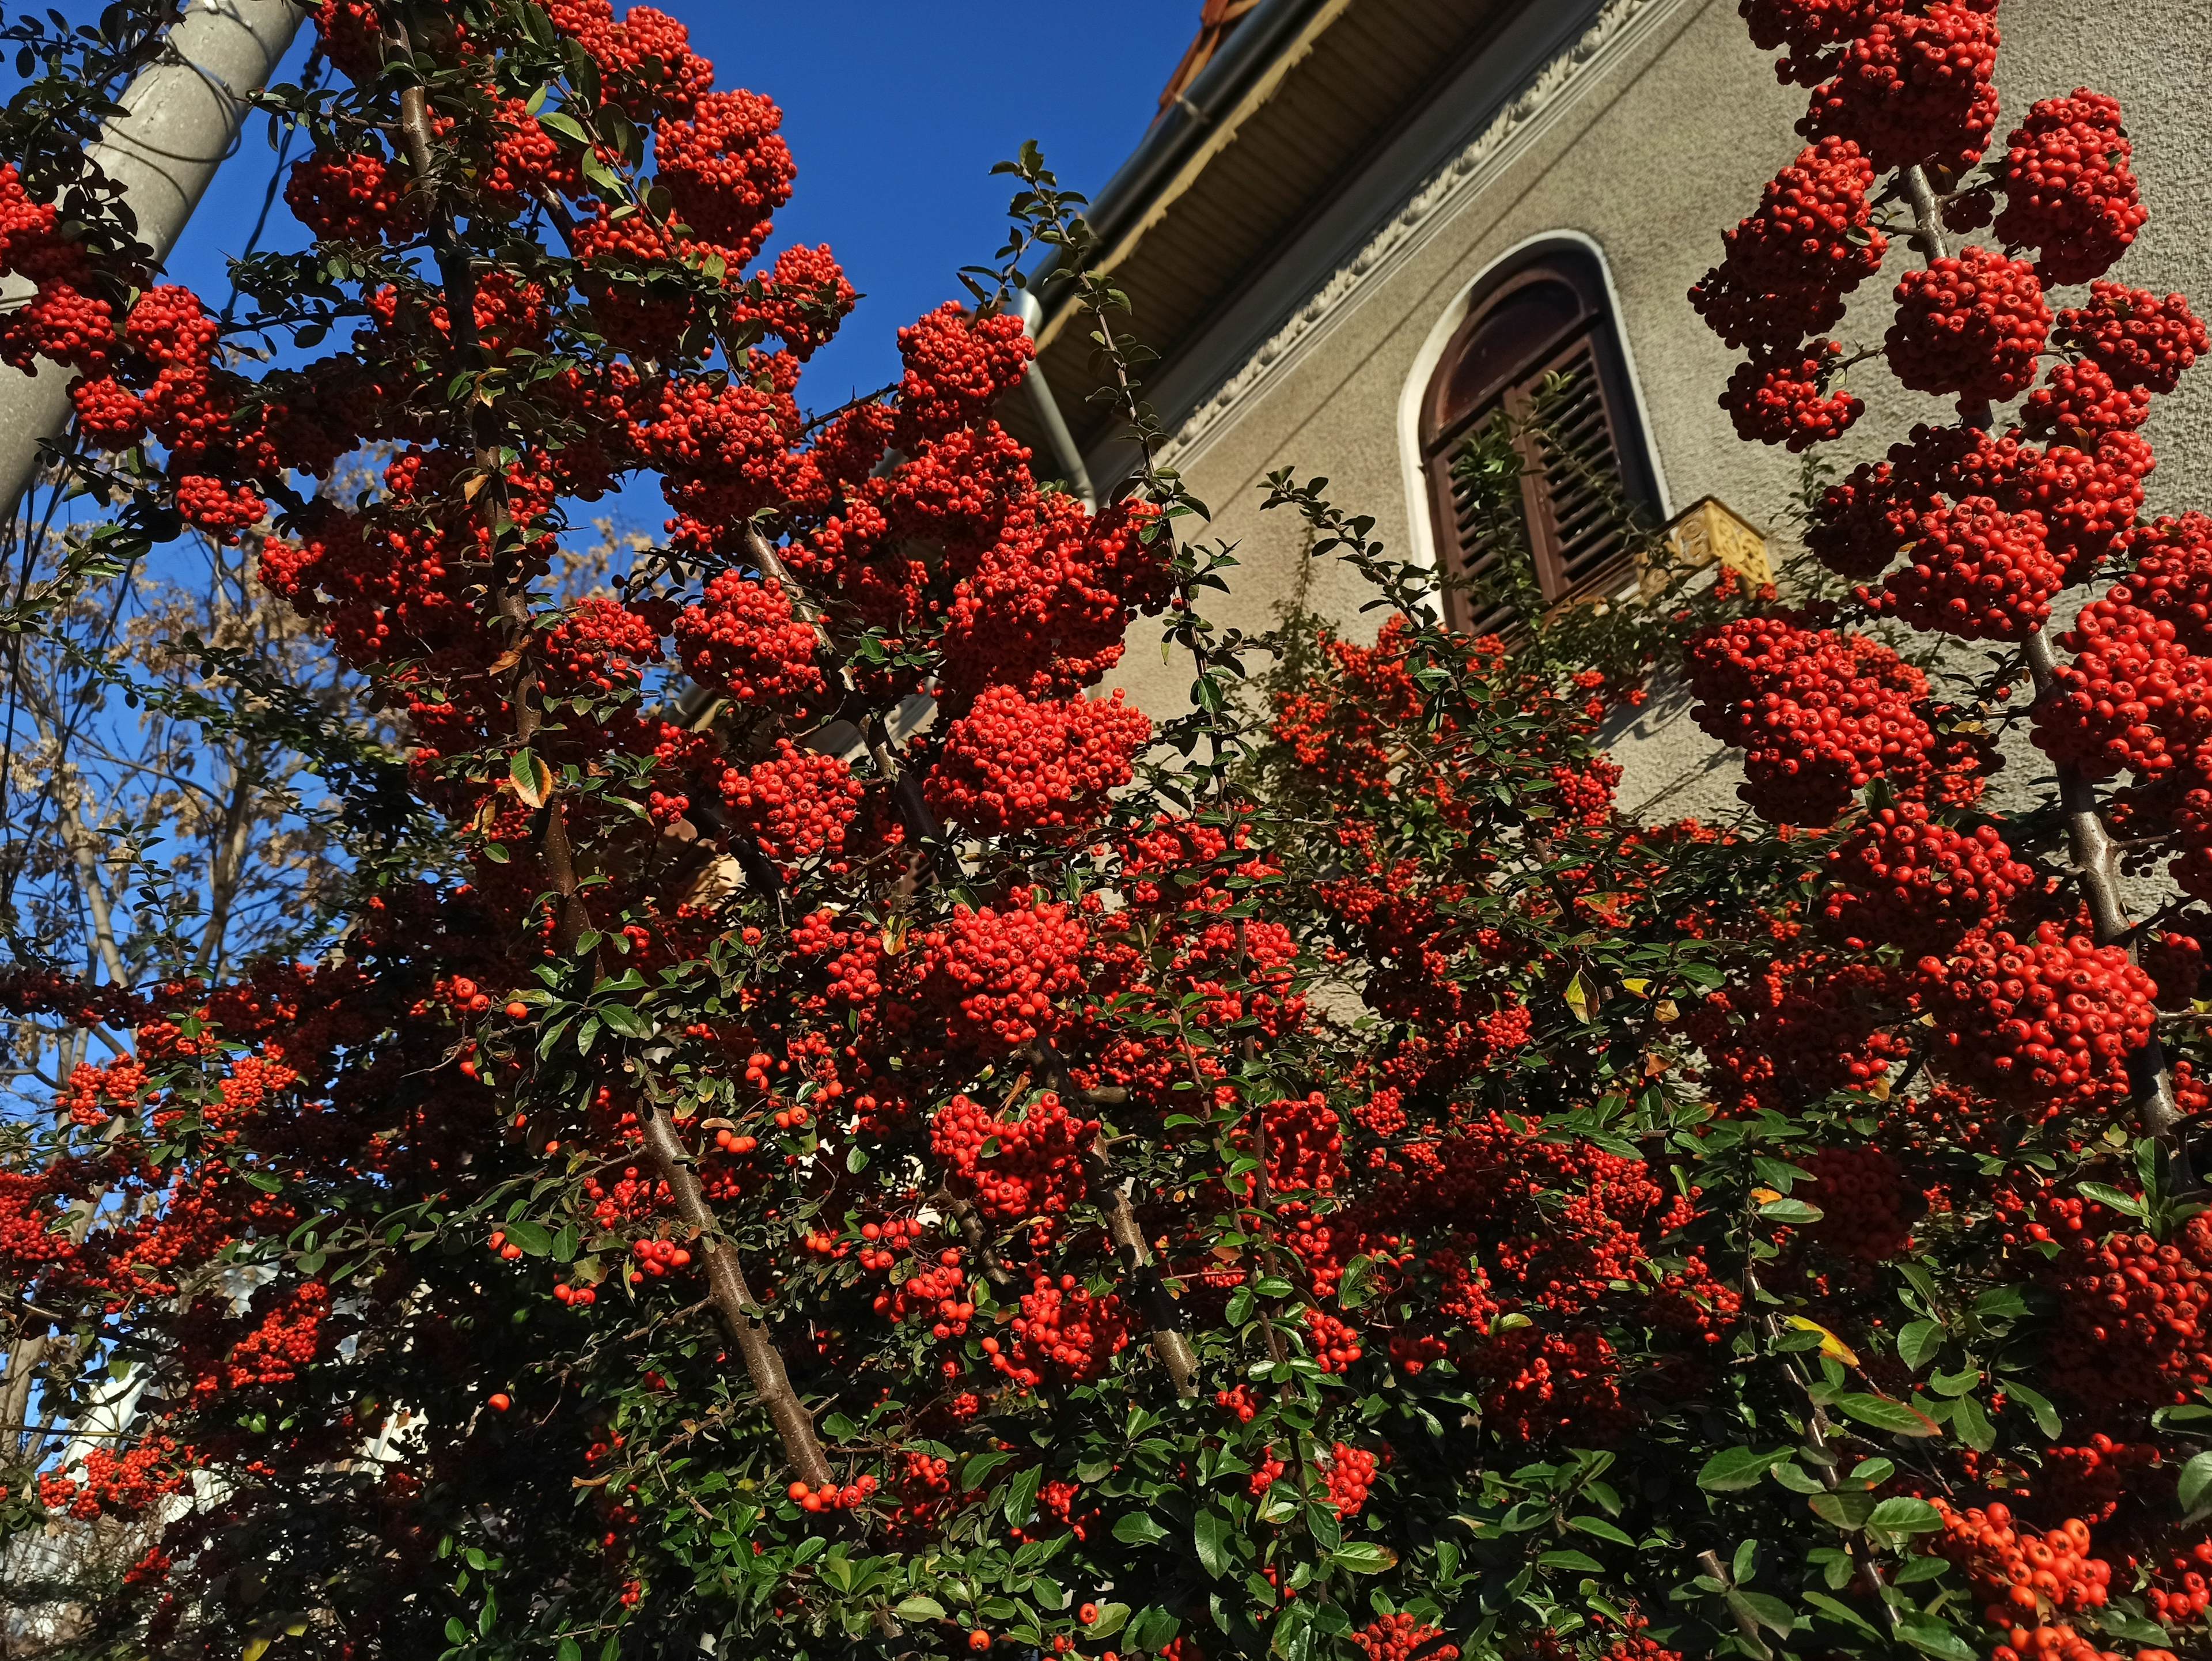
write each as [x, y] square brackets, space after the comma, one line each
[1546, 313]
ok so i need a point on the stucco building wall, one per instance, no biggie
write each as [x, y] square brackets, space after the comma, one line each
[1645, 126]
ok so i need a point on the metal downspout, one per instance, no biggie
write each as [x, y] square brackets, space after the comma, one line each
[1023, 304]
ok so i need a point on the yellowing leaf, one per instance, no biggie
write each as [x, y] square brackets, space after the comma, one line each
[1764, 1195]
[1831, 1346]
[531, 778]
[257, 1647]
[1579, 997]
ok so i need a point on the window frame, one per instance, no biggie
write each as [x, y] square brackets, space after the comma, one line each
[1443, 421]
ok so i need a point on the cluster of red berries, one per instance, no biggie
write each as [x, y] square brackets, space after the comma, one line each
[1912, 87]
[1035, 1167]
[2135, 337]
[745, 638]
[2173, 576]
[957, 366]
[1400, 1637]
[2028, 1584]
[1348, 1473]
[2069, 191]
[802, 299]
[1976, 572]
[722, 444]
[1820, 715]
[796, 803]
[2079, 402]
[657, 1258]
[2133, 698]
[2044, 1022]
[1048, 603]
[287, 1339]
[1336, 1343]
[1064, 1331]
[1305, 1145]
[830, 1498]
[125, 1483]
[1012, 764]
[2131, 1333]
[1904, 878]
[997, 972]
[1972, 324]
[2089, 1481]
[2089, 499]
[1780, 397]
[647, 58]
[350, 197]
[856, 961]
[934, 1294]
[726, 168]
[601, 643]
[1789, 266]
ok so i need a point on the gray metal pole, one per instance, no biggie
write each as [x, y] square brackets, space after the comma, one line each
[184, 111]
[1023, 304]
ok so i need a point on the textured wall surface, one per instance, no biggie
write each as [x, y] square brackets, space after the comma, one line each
[1664, 139]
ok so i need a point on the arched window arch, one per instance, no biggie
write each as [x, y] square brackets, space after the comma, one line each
[1546, 311]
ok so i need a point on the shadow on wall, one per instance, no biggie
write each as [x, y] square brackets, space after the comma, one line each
[1670, 769]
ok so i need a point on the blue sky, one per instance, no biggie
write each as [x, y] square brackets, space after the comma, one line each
[896, 111]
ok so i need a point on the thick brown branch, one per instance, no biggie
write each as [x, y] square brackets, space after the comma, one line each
[734, 1303]
[1161, 1318]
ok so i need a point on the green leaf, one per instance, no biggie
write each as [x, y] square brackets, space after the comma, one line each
[1905, 1514]
[1840, 1611]
[1580, 1562]
[2037, 1404]
[1154, 1628]
[1579, 997]
[1112, 1617]
[1919, 1343]
[2196, 1477]
[1139, 1530]
[1885, 1414]
[1365, 1557]
[1845, 1508]
[2126, 1204]
[1931, 1637]
[1735, 1468]
[567, 125]
[919, 1607]
[1971, 1425]
[1601, 1528]
[2133, 1627]
[570, 1651]
[1794, 1212]
[1769, 1612]
[1020, 1502]
[1213, 1532]
[533, 1238]
[1352, 1288]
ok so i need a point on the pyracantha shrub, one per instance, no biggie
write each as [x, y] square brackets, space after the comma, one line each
[801, 1127]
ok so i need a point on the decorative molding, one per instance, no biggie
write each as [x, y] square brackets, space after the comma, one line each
[1618, 25]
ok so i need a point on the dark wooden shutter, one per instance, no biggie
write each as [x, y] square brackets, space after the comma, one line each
[1578, 533]
[1548, 316]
